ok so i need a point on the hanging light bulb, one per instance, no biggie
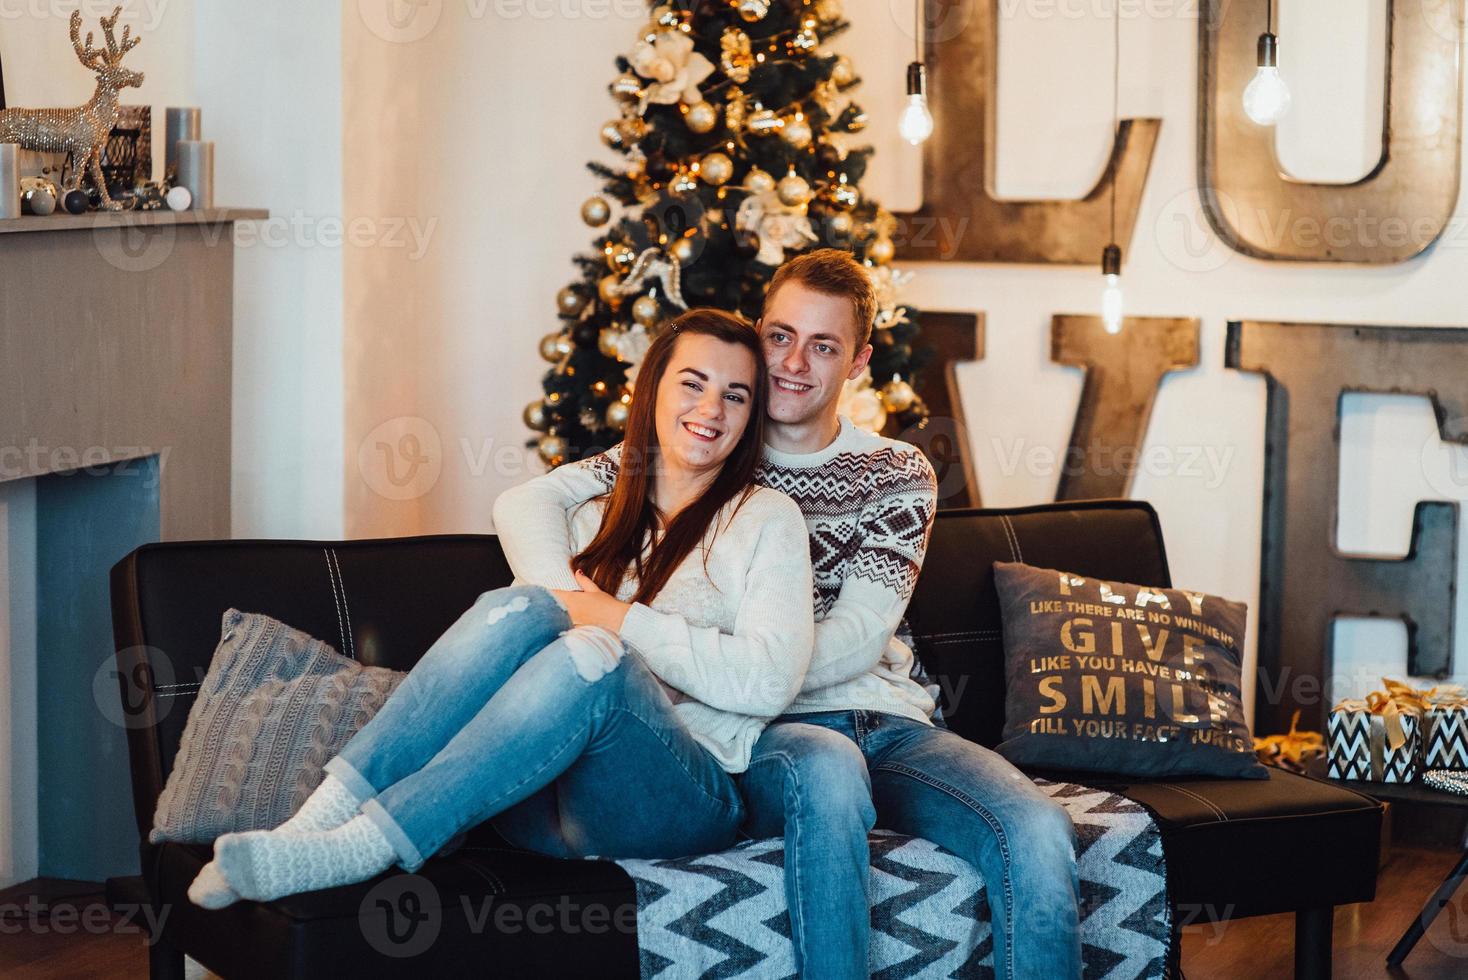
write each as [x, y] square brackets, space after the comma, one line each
[1267, 97]
[1111, 296]
[916, 122]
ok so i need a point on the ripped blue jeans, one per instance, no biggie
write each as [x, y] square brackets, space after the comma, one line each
[513, 710]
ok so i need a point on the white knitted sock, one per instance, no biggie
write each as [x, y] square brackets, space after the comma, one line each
[263, 865]
[330, 805]
[210, 890]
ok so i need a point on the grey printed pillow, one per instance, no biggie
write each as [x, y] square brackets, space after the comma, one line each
[1123, 679]
[275, 705]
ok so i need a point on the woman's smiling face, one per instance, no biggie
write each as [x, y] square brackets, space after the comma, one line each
[704, 401]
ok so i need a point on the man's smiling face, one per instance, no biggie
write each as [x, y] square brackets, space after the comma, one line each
[810, 344]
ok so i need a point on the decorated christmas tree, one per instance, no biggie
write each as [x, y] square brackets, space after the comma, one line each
[741, 150]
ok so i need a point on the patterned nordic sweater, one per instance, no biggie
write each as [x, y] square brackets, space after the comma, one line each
[868, 504]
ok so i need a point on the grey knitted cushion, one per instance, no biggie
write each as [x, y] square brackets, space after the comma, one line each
[275, 705]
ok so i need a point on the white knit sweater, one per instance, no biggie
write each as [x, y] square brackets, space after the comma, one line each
[868, 504]
[731, 629]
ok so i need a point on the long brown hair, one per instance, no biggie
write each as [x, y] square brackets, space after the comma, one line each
[630, 513]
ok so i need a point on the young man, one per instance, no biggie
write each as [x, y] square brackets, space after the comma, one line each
[858, 747]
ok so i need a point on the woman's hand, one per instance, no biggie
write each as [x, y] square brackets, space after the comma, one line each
[593, 607]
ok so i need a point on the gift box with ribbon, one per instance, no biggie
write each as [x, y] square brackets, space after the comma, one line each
[1445, 728]
[1377, 738]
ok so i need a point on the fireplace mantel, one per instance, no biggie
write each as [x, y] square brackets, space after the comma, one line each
[116, 339]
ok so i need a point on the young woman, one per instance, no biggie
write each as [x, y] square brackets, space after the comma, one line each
[603, 721]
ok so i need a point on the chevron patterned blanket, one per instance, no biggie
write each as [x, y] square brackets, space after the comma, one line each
[724, 915]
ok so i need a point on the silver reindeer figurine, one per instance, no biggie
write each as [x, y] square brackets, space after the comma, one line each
[81, 131]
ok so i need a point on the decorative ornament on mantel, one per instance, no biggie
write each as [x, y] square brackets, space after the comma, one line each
[81, 131]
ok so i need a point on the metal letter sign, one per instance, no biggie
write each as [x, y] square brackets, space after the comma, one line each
[1122, 375]
[1392, 213]
[960, 218]
[953, 339]
[1305, 581]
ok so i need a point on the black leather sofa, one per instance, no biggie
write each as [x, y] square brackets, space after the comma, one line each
[1233, 848]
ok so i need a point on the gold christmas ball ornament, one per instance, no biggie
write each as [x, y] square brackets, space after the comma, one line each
[759, 181]
[701, 117]
[570, 302]
[858, 123]
[763, 122]
[606, 288]
[535, 417]
[828, 10]
[552, 449]
[716, 168]
[626, 87]
[898, 395]
[686, 182]
[881, 250]
[842, 72]
[793, 191]
[682, 249]
[631, 129]
[840, 224]
[609, 341]
[753, 10]
[617, 413]
[796, 131]
[595, 211]
[611, 134]
[619, 256]
[645, 310]
[554, 346]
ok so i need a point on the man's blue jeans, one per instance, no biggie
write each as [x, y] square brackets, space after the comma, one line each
[502, 710]
[825, 779]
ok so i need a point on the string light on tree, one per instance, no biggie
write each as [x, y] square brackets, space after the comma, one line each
[1267, 97]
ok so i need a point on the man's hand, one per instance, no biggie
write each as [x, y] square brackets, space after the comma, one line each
[591, 606]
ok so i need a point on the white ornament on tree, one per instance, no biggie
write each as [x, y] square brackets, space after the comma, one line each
[673, 69]
[777, 226]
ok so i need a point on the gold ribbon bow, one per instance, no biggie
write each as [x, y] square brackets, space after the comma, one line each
[1293, 749]
[1398, 699]
[1446, 696]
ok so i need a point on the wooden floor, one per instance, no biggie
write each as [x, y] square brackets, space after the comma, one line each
[82, 944]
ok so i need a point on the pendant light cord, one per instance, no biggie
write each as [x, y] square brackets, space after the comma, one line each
[1269, 16]
[1115, 100]
[917, 30]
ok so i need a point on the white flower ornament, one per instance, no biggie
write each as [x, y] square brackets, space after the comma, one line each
[672, 67]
